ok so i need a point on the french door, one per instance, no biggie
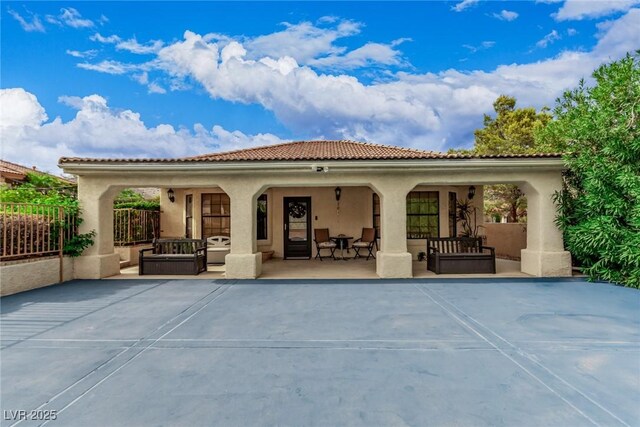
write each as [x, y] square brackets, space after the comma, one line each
[297, 227]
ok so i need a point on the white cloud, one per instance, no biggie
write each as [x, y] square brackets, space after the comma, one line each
[109, 67]
[464, 4]
[572, 32]
[431, 110]
[142, 78]
[303, 42]
[300, 98]
[133, 46]
[588, 9]
[156, 88]
[548, 39]
[25, 109]
[367, 55]
[33, 25]
[97, 37]
[72, 18]
[99, 131]
[506, 15]
[82, 54]
[488, 44]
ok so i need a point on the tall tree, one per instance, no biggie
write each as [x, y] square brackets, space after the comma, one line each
[599, 207]
[511, 131]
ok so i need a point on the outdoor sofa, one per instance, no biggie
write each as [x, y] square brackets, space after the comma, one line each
[174, 256]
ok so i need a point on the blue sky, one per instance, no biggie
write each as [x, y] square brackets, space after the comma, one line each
[164, 79]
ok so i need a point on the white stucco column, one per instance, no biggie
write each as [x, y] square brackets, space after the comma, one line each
[96, 205]
[393, 260]
[244, 261]
[545, 255]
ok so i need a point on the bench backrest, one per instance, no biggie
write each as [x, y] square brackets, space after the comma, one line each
[219, 241]
[178, 246]
[453, 245]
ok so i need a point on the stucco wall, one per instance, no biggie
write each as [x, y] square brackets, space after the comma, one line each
[172, 222]
[356, 204]
[130, 254]
[22, 275]
[508, 239]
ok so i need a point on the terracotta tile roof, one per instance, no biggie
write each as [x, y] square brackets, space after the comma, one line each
[319, 150]
[312, 150]
[19, 172]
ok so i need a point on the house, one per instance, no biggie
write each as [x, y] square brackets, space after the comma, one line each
[272, 197]
[13, 174]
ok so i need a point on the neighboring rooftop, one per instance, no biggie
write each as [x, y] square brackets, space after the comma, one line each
[313, 150]
[16, 173]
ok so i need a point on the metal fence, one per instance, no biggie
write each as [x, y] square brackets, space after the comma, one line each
[31, 230]
[133, 226]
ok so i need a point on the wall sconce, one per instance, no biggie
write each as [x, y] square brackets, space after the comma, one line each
[338, 191]
[472, 192]
[171, 195]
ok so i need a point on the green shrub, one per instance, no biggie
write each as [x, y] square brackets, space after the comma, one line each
[46, 190]
[599, 205]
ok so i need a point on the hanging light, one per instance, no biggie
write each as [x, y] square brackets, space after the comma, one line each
[171, 195]
[338, 191]
[472, 192]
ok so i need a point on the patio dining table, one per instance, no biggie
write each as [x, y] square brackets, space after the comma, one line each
[342, 241]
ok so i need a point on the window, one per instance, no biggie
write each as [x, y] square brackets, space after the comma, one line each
[216, 215]
[453, 218]
[188, 208]
[376, 214]
[261, 217]
[422, 214]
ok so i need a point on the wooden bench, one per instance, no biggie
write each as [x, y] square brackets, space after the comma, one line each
[460, 255]
[174, 256]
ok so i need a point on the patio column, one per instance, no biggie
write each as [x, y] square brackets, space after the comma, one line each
[96, 205]
[244, 261]
[545, 255]
[393, 260]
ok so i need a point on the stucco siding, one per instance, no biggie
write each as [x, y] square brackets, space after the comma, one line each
[508, 239]
[23, 275]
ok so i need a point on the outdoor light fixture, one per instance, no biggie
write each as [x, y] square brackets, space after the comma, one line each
[472, 192]
[338, 191]
[171, 195]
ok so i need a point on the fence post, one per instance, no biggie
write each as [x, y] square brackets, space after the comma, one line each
[129, 225]
[61, 241]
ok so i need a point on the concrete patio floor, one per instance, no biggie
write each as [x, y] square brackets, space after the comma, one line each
[329, 269]
[473, 352]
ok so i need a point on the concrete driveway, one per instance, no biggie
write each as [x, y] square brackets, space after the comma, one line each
[432, 352]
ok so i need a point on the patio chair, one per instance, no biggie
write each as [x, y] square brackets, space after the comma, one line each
[367, 241]
[324, 242]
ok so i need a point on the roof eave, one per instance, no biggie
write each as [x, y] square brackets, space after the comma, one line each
[90, 168]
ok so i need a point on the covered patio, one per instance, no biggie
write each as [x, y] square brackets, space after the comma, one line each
[247, 195]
